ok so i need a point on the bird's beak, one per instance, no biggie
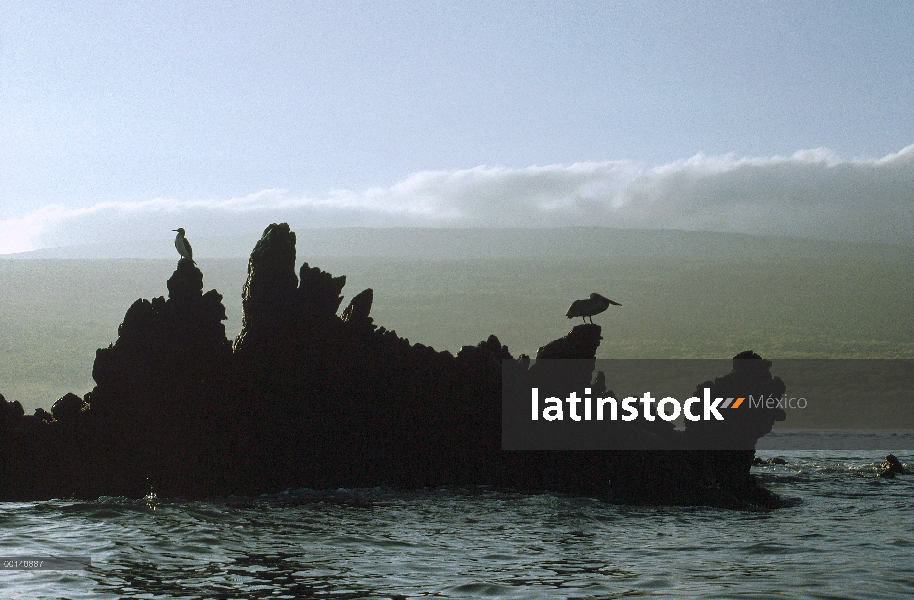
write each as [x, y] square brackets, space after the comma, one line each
[174, 229]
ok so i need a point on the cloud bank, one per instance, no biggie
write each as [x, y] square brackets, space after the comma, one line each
[811, 193]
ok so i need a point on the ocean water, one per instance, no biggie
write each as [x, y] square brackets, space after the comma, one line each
[849, 534]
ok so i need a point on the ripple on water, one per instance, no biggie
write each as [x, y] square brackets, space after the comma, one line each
[850, 536]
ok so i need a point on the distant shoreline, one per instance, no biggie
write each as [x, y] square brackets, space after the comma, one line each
[463, 243]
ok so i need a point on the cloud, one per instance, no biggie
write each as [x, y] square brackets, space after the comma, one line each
[811, 193]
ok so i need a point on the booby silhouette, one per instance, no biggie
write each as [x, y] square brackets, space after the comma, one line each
[590, 307]
[183, 245]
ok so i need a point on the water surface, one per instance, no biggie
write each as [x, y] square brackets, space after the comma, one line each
[851, 535]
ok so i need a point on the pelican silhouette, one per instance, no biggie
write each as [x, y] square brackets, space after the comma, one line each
[589, 307]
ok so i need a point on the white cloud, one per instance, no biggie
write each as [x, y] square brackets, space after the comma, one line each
[813, 192]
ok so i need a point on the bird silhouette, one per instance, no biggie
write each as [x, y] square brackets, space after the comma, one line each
[183, 245]
[589, 307]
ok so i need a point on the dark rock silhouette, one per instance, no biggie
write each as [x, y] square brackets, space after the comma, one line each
[10, 412]
[157, 389]
[269, 291]
[319, 292]
[581, 343]
[307, 398]
[751, 374]
[727, 473]
[44, 416]
[359, 308]
[68, 407]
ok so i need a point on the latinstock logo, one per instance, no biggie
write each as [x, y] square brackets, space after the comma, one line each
[693, 404]
[668, 408]
[742, 403]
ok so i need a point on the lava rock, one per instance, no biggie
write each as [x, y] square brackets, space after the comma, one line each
[306, 399]
[359, 307]
[67, 407]
[319, 292]
[43, 415]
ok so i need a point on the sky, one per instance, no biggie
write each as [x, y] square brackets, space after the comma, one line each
[127, 120]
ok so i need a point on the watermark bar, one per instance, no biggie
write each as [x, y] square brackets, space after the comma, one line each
[45, 563]
[736, 404]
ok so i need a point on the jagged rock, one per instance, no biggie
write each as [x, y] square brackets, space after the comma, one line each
[269, 291]
[161, 342]
[10, 411]
[319, 292]
[67, 407]
[568, 362]
[43, 415]
[742, 427]
[484, 360]
[581, 343]
[157, 388]
[308, 400]
[186, 283]
[359, 307]
[891, 466]
[490, 350]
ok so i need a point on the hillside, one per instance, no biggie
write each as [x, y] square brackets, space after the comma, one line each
[681, 298]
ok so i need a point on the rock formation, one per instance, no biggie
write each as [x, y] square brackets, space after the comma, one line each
[307, 398]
